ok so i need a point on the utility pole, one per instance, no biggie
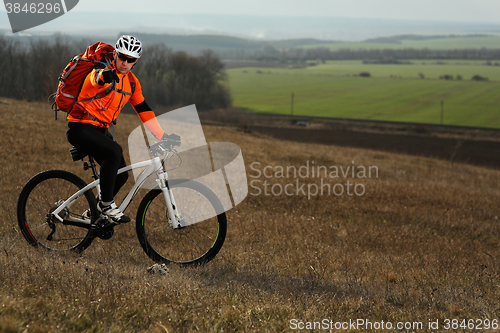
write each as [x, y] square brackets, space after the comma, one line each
[442, 111]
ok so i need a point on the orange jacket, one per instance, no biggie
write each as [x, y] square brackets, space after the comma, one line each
[103, 110]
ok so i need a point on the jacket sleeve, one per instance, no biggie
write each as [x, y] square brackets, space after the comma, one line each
[148, 117]
[96, 78]
[144, 111]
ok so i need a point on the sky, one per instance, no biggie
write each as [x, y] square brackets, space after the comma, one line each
[483, 11]
[343, 20]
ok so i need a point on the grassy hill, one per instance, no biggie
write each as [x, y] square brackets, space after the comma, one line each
[421, 243]
[433, 42]
[221, 43]
[226, 45]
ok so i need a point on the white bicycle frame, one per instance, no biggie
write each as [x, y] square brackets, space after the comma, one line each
[153, 165]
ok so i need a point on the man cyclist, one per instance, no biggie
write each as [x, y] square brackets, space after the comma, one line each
[89, 120]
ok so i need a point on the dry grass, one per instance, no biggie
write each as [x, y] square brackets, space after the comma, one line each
[421, 244]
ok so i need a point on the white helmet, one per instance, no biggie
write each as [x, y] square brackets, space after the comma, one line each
[129, 45]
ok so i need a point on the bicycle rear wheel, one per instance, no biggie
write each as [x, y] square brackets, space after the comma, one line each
[195, 244]
[41, 196]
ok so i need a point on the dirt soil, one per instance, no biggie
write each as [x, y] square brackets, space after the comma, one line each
[462, 149]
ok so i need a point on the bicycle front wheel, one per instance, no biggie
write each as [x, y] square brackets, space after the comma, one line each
[195, 244]
[40, 197]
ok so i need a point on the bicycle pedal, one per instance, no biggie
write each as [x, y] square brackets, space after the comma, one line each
[100, 220]
[110, 224]
[104, 222]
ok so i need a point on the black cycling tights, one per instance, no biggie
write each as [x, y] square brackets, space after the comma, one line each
[98, 142]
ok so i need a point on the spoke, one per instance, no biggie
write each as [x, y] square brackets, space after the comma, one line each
[65, 239]
[40, 226]
[203, 234]
[196, 244]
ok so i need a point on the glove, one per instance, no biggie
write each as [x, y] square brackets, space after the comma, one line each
[174, 138]
[109, 75]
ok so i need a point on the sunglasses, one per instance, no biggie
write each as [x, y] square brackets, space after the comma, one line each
[127, 59]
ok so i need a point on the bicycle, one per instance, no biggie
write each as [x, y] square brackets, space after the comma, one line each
[53, 216]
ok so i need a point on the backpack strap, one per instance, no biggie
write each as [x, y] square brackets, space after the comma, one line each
[132, 86]
[101, 93]
[132, 81]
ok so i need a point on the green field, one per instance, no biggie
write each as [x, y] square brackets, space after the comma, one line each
[431, 69]
[393, 92]
[451, 43]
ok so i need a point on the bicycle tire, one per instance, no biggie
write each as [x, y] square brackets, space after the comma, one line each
[193, 245]
[40, 196]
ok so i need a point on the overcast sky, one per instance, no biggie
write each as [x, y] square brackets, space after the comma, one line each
[485, 11]
[173, 17]
[441, 10]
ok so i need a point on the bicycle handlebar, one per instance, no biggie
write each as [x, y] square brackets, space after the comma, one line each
[166, 145]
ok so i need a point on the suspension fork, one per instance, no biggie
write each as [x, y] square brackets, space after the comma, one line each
[162, 180]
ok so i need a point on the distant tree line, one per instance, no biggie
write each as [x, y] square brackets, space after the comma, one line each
[30, 72]
[270, 53]
[177, 78]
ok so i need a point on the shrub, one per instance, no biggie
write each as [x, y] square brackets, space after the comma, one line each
[479, 78]
[446, 77]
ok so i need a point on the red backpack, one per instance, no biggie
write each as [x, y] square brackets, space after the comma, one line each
[72, 77]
